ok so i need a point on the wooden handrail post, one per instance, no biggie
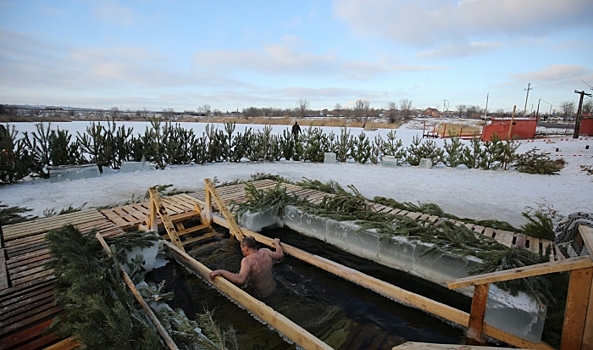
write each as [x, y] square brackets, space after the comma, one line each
[155, 200]
[206, 215]
[475, 328]
[234, 228]
[153, 217]
[577, 304]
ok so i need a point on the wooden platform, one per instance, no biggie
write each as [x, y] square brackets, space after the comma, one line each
[129, 217]
[26, 285]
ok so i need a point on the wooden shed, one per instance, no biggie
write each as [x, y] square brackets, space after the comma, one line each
[586, 127]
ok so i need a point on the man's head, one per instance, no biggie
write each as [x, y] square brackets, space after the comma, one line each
[248, 243]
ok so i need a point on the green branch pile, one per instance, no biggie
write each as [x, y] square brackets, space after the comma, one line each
[98, 308]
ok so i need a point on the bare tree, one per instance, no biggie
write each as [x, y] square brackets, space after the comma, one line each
[588, 106]
[567, 109]
[406, 108]
[338, 107]
[474, 112]
[114, 113]
[461, 109]
[302, 108]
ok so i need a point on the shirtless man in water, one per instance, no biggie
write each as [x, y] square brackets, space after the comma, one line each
[256, 267]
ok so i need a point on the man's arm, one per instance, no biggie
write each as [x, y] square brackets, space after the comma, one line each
[236, 278]
[278, 254]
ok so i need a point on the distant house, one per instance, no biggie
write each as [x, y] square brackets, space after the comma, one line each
[432, 112]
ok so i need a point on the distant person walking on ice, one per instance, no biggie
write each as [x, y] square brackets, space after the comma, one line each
[256, 267]
[296, 129]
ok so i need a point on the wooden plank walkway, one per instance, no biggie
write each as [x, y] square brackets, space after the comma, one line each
[236, 193]
[129, 217]
[26, 285]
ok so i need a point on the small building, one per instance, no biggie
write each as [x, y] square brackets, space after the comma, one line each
[520, 128]
[586, 127]
[432, 112]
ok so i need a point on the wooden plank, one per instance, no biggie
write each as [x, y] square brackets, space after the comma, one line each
[34, 278]
[12, 301]
[588, 333]
[271, 317]
[40, 302]
[27, 228]
[521, 272]
[3, 271]
[428, 346]
[40, 342]
[22, 291]
[66, 344]
[13, 265]
[577, 301]
[392, 292]
[27, 335]
[475, 328]
[28, 318]
[587, 235]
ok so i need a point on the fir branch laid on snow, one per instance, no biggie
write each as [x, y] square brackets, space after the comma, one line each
[13, 215]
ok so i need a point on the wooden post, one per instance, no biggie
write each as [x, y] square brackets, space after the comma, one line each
[207, 217]
[475, 328]
[138, 296]
[579, 291]
[152, 224]
[445, 130]
[234, 228]
[512, 120]
[155, 199]
[587, 236]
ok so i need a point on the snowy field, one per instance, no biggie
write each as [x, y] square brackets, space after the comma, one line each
[472, 193]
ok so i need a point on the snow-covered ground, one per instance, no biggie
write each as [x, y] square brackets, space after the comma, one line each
[477, 194]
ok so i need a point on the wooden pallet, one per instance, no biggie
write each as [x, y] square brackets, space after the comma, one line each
[128, 217]
[26, 285]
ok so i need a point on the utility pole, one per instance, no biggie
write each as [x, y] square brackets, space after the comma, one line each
[445, 106]
[537, 112]
[577, 124]
[486, 109]
[526, 98]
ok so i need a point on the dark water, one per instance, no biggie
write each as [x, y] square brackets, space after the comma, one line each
[340, 313]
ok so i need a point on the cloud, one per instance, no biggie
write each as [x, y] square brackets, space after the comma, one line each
[31, 62]
[460, 50]
[284, 59]
[553, 73]
[115, 13]
[426, 22]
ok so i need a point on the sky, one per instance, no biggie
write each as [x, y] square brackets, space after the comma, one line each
[236, 54]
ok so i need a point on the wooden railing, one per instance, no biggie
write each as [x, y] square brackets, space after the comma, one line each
[577, 332]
